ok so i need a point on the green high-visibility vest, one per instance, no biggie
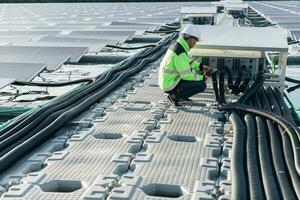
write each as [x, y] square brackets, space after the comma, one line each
[176, 66]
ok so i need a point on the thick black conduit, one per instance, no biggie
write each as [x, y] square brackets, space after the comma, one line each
[221, 88]
[41, 84]
[229, 77]
[288, 128]
[267, 171]
[26, 146]
[215, 86]
[237, 82]
[280, 169]
[170, 27]
[289, 159]
[245, 83]
[292, 80]
[291, 89]
[253, 88]
[166, 32]
[285, 111]
[255, 186]
[130, 48]
[239, 187]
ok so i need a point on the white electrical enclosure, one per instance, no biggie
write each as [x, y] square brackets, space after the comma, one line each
[198, 11]
[198, 15]
[244, 42]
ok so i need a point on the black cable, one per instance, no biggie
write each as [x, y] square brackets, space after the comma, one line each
[131, 48]
[285, 111]
[282, 174]
[293, 42]
[292, 80]
[170, 27]
[221, 88]
[245, 83]
[291, 130]
[239, 188]
[266, 165]
[291, 89]
[253, 88]
[237, 82]
[166, 32]
[215, 87]
[253, 169]
[41, 84]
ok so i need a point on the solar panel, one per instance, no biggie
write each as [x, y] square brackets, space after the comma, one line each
[75, 53]
[111, 35]
[296, 34]
[20, 71]
[76, 40]
[26, 33]
[53, 62]
[131, 24]
[5, 82]
[102, 33]
[63, 28]
[290, 25]
[91, 47]
[121, 28]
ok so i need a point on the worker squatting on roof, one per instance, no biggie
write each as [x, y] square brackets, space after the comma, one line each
[179, 77]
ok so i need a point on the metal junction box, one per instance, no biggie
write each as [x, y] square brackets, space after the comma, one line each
[243, 48]
[199, 15]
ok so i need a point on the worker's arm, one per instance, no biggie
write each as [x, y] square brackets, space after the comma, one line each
[199, 67]
[196, 65]
[185, 71]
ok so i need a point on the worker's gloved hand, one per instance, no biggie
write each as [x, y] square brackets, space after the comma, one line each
[206, 69]
[205, 77]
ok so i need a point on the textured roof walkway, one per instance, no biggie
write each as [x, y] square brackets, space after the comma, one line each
[134, 145]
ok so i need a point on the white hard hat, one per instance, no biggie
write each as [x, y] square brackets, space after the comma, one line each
[192, 30]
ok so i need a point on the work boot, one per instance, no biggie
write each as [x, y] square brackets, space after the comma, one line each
[173, 100]
[185, 99]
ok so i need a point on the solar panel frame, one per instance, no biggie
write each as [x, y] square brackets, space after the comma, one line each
[5, 82]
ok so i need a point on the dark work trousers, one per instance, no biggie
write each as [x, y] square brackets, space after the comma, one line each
[186, 89]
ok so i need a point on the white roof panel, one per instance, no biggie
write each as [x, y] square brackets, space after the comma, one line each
[242, 38]
[198, 10]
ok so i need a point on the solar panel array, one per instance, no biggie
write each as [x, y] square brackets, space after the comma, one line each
[285, 13]
[53, 34]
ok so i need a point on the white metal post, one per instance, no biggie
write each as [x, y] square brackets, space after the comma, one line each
[282, 70]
